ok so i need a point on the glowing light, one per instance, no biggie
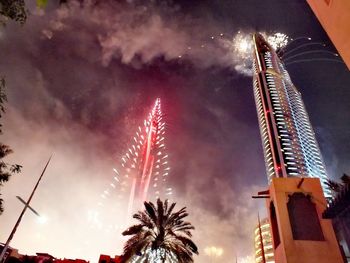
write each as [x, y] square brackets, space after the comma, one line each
[243, 45]
[147, 152]
[277, 40]
[42, 219]
[247, 259]
[241, 48]
[214, 251]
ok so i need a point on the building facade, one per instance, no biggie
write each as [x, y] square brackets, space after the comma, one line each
[334, 16]
[299, 232]
[263, 242]
[289, 143]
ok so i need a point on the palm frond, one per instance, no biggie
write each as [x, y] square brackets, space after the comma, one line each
[166, 205]
[136, 245]
[170, 210]
[160, 230]
[151, 211]
[188, 243]
[345, 179]
[160, 210]
[133, 230]
[333, 185]
[144, 219]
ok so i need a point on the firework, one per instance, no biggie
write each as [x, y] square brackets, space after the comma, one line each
[242, 43]
[144, 168]
[277, 40]
[241, 48]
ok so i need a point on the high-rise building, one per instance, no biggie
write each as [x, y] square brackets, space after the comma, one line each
[289, 143]
[295, 205]
[142, 175]
[263, 242]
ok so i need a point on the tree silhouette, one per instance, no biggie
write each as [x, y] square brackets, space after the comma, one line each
[337, 187]
[13, 9]
[6, 170]
[161, 235]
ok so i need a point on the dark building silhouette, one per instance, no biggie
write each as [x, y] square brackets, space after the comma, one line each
[339, 211]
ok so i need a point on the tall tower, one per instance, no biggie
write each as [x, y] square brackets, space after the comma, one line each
[144, 168]
[289, 143]
[295, 205]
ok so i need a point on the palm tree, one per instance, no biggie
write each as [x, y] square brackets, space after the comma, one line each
[161, 235]
[337, 187]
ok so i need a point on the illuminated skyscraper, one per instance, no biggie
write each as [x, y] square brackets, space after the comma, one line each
[289, 143]
[143, 171]
[263, 242]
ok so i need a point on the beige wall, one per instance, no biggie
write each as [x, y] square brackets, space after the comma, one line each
[302, 251]
[334, 16]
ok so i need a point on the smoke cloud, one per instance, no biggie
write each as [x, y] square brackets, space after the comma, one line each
[141, 33]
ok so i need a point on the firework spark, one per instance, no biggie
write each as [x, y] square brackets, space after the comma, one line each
[144, 168]
[277, 40]
[241, 48]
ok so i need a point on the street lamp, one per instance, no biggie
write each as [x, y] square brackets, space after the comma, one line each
[26, 205]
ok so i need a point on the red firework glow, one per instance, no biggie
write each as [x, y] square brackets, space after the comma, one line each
[144, 167]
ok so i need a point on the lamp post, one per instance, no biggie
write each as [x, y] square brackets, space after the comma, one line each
[26, 205]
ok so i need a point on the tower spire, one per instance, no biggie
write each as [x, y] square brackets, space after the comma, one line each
[144, 168]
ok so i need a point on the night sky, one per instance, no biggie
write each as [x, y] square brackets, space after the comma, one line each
[81, 78]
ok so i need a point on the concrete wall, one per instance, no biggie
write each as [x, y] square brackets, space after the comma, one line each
[334, 16]
[302, 251]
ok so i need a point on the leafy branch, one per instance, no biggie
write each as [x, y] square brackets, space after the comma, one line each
[6, 169]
